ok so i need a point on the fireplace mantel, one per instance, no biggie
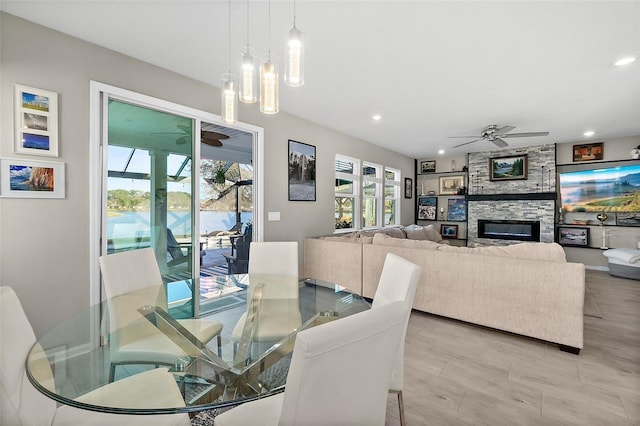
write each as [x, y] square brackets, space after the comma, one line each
[508, 197]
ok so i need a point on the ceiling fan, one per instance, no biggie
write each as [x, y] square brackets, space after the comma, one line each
[206, 137]
[496, 134]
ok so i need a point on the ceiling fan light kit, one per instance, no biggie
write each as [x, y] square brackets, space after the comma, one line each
[496, 135]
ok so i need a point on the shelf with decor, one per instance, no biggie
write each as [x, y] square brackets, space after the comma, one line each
[440, 201]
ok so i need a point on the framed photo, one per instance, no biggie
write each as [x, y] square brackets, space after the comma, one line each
[21, 178]
[428, 166]
[588, 152]
[628, 219]
[427, 208]
[408, 188]
[573, 236]
[450, 185]
[302, 171]
[36, 121]
[508, 168]
[456, 209]
[449, 231]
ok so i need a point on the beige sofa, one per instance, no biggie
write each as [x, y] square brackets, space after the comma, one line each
[528, 288]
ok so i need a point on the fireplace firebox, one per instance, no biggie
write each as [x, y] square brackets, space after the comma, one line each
[519, 230]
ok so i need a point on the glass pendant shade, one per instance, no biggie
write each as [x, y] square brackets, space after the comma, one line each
[294, 60]
[229, 106]
[269, 88]
[248, 87]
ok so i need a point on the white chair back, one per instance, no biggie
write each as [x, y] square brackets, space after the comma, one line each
[279, 257]
[398, 283]
[130, 271]
[21, 403]
[340, 371]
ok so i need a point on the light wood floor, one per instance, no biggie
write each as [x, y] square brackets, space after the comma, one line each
[460, 374]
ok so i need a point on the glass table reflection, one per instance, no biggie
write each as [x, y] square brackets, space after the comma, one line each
[245, 367]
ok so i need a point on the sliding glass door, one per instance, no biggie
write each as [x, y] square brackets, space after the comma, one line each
[150, 194]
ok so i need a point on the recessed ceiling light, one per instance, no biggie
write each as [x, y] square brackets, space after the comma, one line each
[589, 133]
[377, 117]
[625, 61]
[441, 151]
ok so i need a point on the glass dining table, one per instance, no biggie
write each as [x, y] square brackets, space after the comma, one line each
[244, 367]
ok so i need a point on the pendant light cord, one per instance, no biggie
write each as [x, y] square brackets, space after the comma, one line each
[269, 33]
[229, 37]
[247, 26]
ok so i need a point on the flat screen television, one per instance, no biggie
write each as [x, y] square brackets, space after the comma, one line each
[611, 189]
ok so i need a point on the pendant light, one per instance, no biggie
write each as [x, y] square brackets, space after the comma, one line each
[248, 92]
[229, 106]
[294, 59]
[269, 103]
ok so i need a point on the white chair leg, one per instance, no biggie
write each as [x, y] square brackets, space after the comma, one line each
[400, 406]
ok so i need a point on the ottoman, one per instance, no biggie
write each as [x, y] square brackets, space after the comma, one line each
[624, 263]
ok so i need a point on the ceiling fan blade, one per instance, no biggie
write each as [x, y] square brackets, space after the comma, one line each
[183, 140]
[213, 135]
[499, 142]
[525, 135]
[504, 129]
[467, 143]
[211, 142]
[463, 137]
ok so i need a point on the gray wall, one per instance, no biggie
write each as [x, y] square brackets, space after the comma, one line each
[44, 244]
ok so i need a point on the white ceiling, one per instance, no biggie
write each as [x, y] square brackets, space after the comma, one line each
[432, 69]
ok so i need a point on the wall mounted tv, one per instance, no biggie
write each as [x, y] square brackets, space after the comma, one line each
[612, 189]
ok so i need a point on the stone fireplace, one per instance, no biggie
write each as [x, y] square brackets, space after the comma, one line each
[531, 200]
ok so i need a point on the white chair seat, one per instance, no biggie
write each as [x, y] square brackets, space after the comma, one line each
[204, 330]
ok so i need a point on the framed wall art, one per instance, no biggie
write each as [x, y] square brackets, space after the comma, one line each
[20, 178]
[427, 208]
[302, 171]
[588, 152]
[449, 231]
[573, 236]
[36, 121]
[456, 209]
[508, 168]
[428, 166]
[450, 185]
[408, 188]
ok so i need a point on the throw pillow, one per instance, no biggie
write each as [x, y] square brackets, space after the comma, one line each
[415, 232]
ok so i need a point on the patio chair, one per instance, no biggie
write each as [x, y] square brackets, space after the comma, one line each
[180, 252]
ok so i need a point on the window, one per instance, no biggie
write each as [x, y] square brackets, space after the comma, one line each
[346, 201]
[370, 189]
[391, 197]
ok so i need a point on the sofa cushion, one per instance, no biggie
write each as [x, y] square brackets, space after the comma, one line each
[349, 239]
[417, 232]
[550, 252]
[385, 240]
[393, 231]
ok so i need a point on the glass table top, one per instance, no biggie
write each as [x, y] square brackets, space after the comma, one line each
[250, 361]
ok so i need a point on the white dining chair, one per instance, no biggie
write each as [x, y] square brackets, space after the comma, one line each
[339, 374]
[279, 312]
[398, 283]
[22, 404]
[132, 280]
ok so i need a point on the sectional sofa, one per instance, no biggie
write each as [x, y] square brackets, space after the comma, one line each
[527, 288]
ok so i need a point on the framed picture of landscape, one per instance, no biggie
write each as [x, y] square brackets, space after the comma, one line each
[36, 121]
[302, 171]
[508, 168]
[449, 231]
[20, 178]
[573, 236]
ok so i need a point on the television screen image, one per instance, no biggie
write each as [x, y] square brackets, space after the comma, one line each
[613, 189]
